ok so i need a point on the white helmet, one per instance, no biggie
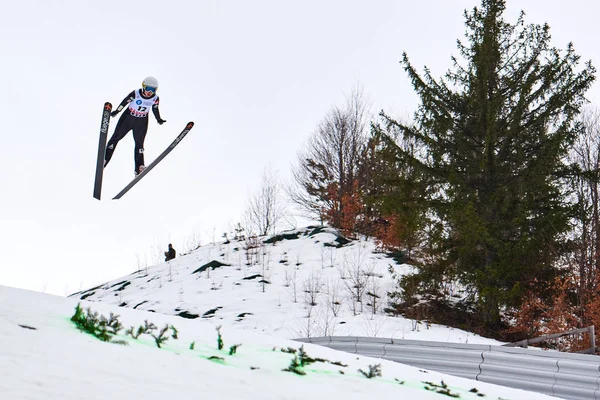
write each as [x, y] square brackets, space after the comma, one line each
[150, 83]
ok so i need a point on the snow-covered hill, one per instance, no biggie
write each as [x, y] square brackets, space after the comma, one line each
[301, 283]
[44, 356]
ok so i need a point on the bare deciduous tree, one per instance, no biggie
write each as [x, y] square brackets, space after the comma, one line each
[373, 292]
[265, 268]
[312, 287]
[308, 325]
[328, 167]
[586, 155]
[266, 208]
[328, 320]
[334, 300]
[292, 284]
[356, 279]
[192, 243]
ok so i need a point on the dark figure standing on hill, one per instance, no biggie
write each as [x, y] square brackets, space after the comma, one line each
[170, 254]
[138, 103]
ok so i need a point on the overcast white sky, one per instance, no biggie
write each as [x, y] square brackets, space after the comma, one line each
[255, 76]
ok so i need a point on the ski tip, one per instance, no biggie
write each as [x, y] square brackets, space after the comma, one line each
[107, 106]
[189, 125]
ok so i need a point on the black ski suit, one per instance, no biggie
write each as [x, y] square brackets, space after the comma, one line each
[133, 118]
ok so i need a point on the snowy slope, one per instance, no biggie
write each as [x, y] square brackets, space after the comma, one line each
[44, 356]
[268, 285]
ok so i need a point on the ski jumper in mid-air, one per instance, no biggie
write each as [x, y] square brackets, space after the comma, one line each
[138, 103]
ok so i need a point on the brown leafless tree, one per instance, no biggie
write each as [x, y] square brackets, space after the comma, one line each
[331, 159]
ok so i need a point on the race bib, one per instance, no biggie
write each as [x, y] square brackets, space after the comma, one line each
[140, 107]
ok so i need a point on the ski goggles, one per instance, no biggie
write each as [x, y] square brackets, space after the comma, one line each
[150, 89]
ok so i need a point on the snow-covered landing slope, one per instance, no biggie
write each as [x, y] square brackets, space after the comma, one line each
[44, 356]
[298, 284]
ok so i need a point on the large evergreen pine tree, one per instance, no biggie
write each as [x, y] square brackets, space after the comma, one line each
[494, 132]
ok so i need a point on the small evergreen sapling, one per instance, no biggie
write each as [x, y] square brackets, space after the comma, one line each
[299, 361]
[147, 328]
[96, 325]
[161, 338]
[305, 359]
[374, 371]
[295, 366]
[289, 350]
[105, 328]
[174, 332]
[219, 338]
[233, 349]
[441, 389]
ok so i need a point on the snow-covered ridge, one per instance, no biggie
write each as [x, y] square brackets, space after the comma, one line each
[301, 283]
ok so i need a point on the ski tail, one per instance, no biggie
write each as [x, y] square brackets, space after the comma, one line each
[158, 159]
[101, 149]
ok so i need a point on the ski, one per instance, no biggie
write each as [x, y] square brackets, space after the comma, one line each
[101, 149]
[158, 159]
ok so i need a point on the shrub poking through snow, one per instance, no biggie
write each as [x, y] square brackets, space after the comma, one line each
[338, 363]
[374, 371]
[174, 332]
[219, 338]
[441, 389]
[289, 350]
[147, 329]
[474, 390]
[295, 366]
[233, 349]
[97, 325]
[300, 360]
[305, 359]
[221, 344]
[161, 338]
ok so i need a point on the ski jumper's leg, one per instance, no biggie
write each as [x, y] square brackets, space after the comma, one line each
[139, 135]
[124, 125]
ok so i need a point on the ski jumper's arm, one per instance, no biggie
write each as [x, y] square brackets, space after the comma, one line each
[126, 101]
[156, 111]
